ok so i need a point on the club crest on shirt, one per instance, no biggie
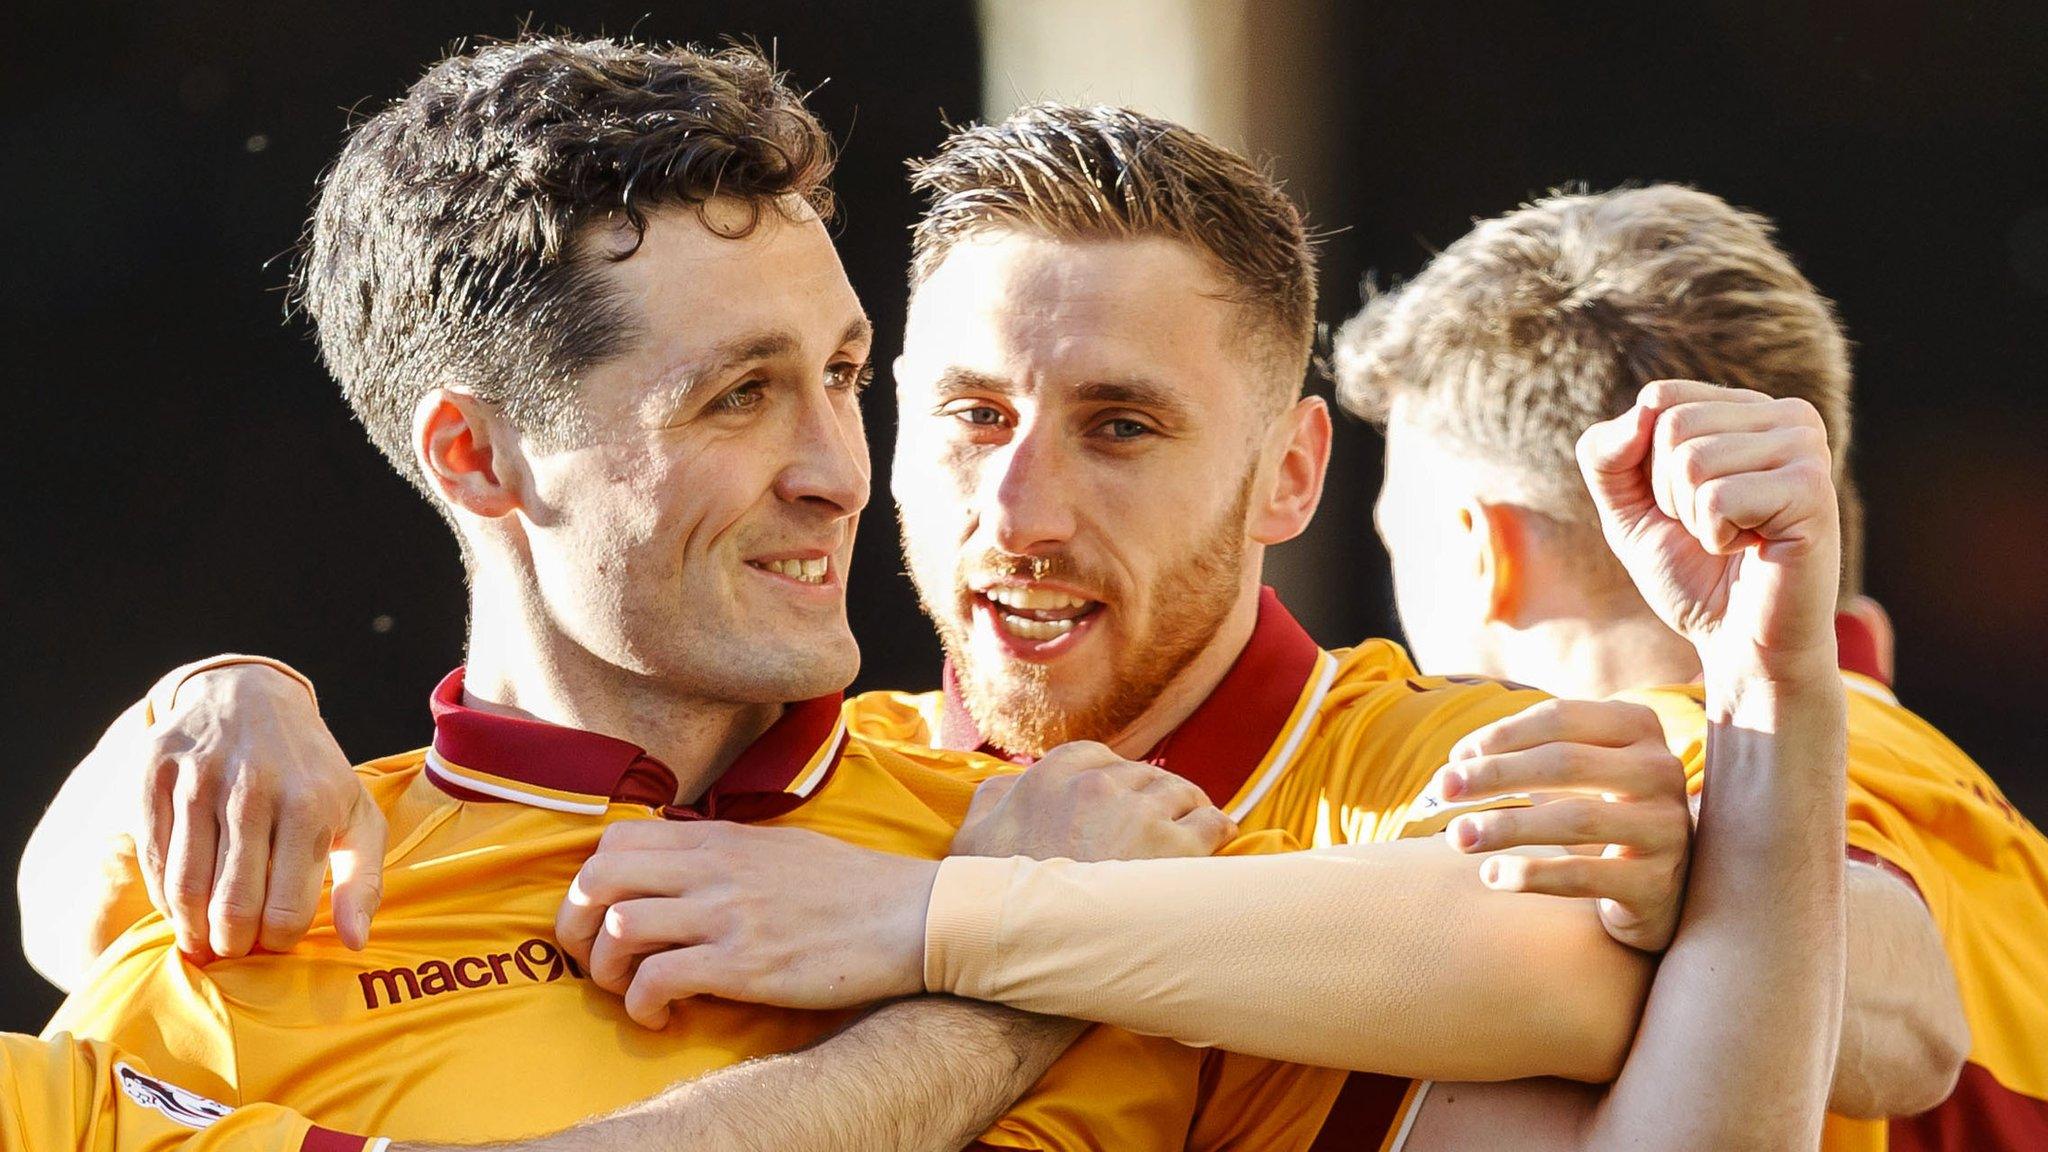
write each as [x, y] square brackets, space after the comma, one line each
[187, 1108]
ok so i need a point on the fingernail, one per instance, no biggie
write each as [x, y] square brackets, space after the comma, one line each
[1453, 784]
[359, 923]
[1489, 873]
[1466, 832]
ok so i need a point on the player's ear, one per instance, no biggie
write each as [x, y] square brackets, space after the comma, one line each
[1294, 460]
[1500, 543]
[469, 453]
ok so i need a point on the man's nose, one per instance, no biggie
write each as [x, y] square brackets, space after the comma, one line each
[830, 468]
[1026, 498]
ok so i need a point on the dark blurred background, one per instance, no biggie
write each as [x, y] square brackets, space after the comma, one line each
[184, 478]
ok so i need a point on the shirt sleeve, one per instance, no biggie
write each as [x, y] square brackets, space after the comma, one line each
[65, 1093]
[1388, 958]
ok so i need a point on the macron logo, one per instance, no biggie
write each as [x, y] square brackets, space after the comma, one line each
[534, 961]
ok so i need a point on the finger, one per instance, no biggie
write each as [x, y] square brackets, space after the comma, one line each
[989, 795]
[235, 912]
[298, 867]
[637, 928]
[357, 858]
[1643, 828]
[1209, 829]
[1659, 395]
[655, 835]
[608, 878]
[1640, 771]
[153, 841]
[1786, 505]
[1605, 723]
[1178, 795]
[189, 865]
[1710, 457]
[663, 979]
[1579, 877]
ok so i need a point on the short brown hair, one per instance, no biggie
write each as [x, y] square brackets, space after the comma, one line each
[1111, 173]
[445, 247]
[1538, 324]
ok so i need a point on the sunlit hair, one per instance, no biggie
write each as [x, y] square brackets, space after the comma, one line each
[1110, 173]
[450, 245]
[1537, 324]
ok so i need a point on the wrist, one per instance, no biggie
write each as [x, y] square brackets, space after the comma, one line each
[907, 944]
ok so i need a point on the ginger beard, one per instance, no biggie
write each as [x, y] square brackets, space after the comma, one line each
[1016, 704]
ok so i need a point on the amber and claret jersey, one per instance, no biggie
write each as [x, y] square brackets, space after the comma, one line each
[1921, 809]
[64, 1093]
[463, 1021]
[1327, 747]
[1337, 747]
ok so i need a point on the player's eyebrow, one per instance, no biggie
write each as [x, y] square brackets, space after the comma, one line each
[1136, 392]
[680, 383]
[957, 381]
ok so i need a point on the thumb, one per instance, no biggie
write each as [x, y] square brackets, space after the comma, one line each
[358, 862]
[1614, 457]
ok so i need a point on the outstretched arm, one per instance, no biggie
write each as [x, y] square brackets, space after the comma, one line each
[924, 1074]
[219, 800]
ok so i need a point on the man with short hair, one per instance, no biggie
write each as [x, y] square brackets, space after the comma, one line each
[581, 293]
[1483, 371]
[1486, 370]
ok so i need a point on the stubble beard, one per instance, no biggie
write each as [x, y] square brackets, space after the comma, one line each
[1012, 703]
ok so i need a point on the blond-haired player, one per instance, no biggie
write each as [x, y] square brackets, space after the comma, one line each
[1482, 371]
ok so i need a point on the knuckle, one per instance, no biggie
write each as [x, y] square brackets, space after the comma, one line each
[187, 894]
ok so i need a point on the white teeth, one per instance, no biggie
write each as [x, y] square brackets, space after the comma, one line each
[1033, 599]
[1027, 629]
[808, 571]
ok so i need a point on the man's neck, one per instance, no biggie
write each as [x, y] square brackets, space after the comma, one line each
[518, 666]
[1186, 691]
[1589, 656]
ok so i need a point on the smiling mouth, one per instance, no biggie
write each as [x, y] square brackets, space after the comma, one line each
[812, 571]
[1036, 614]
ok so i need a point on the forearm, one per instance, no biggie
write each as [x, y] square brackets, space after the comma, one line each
[1904, 1036]
[929, 1073]
[1746, 1009]
[76, 885]
[1389, 958]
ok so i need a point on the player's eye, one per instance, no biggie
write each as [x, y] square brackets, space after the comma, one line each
[742, 397]
[849, 376]
[977, 415]
[1124, 429]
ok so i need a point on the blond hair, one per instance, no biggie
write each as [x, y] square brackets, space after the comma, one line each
[1111, 173]
[1540, 323]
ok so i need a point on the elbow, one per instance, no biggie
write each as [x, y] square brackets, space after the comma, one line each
[1919, 1073]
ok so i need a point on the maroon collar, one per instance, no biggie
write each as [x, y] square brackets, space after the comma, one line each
[1251, 717]
[486, 756]
[1856, 648]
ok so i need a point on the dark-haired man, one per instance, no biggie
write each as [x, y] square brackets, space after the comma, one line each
[639, 417]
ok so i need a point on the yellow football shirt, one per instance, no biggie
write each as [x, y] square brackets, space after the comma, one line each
[462, 1020]
[1921, 808]
[62, 1092]
[1329, 747]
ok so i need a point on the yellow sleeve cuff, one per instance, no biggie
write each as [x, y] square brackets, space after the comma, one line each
[963, 923]
[163, 695]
